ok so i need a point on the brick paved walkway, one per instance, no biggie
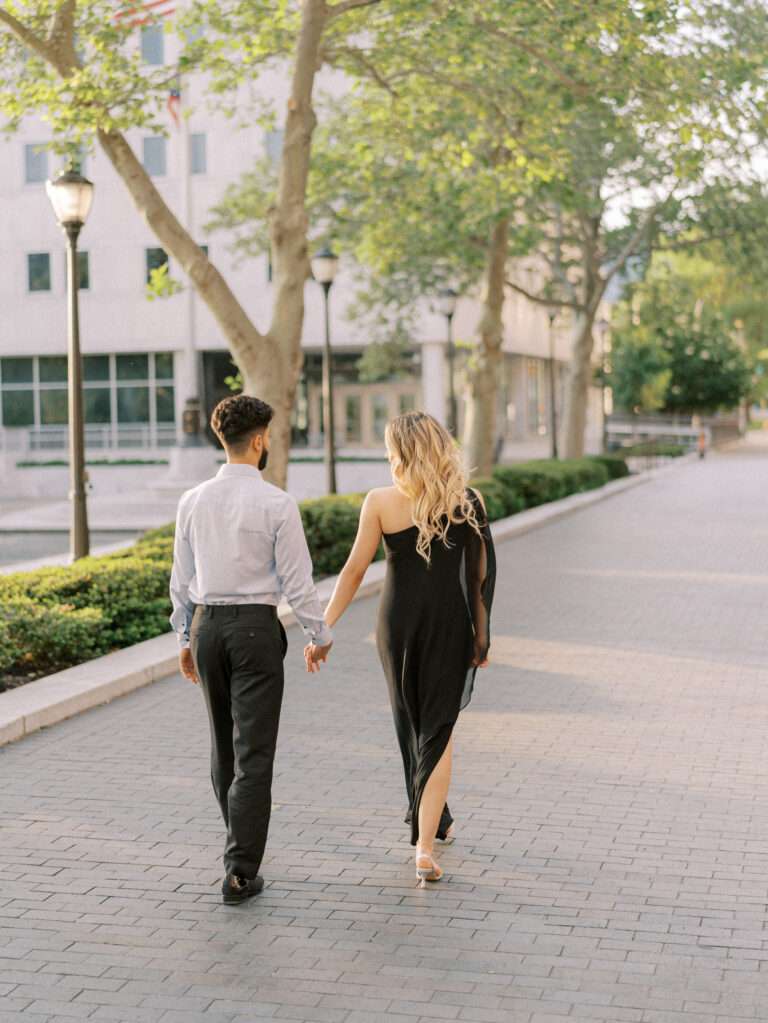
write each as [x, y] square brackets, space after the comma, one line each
[612, 795]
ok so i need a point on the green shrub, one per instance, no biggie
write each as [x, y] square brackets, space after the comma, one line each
[615, 464]
[654, 449]
[330, 524]
[44, 638]
[499, 500]
[131, 593]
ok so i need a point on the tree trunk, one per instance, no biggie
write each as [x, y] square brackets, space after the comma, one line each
[577, 390]
[484, 374]
[288, 232]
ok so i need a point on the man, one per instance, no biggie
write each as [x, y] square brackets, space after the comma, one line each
[240, 544]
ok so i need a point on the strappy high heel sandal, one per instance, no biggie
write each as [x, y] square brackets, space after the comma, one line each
[426, 868]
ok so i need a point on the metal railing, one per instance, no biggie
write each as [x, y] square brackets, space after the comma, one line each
[140, 436]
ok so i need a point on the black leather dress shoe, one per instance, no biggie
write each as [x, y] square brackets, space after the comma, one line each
[235, 889]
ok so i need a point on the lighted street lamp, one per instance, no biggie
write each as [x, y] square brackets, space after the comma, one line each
[324, 266]
[71, 196]
[446, 304]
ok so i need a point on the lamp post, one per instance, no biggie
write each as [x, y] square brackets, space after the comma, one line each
[603, 327]
[552, 314]
[71, 196]
[446, 303]
[324, 266]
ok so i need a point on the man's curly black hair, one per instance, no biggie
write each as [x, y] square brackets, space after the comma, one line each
[236, 418]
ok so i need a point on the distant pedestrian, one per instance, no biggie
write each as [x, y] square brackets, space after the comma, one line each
[239, 545]
[434, 617]
[701, 443]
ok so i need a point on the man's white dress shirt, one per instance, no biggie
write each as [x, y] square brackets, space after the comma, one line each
[239, 540]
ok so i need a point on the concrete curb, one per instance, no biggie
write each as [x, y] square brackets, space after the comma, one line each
[69, 692]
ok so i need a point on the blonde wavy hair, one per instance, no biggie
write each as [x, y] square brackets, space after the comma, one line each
[426, 467]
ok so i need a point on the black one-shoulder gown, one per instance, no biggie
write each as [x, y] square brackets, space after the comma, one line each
[429, 616]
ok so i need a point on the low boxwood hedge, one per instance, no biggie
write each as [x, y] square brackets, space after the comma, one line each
[52, 618]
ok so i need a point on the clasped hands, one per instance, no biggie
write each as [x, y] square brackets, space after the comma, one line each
[314, 655]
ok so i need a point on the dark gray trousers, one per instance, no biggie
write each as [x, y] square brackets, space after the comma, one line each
[238, 650]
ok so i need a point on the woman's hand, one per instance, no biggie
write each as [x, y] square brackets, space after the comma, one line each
[480, 658]
[313, 655]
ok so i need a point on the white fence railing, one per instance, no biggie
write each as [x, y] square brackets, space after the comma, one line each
[109, 437]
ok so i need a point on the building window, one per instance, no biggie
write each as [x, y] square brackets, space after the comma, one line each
[132, 389]
[380, 409]
[407, 403]
[39, 271]
[352, 415]
[198, 157]
[154, 156]
[155, 259]
[152, 44]
[35, 164]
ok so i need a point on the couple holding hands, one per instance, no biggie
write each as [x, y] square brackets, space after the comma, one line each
[239, 546]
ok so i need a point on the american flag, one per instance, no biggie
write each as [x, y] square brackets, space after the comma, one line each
[144, 12]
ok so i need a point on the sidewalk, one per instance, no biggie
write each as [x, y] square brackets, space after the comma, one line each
[610, 795]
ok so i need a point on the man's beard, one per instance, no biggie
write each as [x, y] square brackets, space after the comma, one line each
[263, 460]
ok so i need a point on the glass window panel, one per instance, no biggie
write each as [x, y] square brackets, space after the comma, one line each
[96, 367]
[96, 405]
[164, 365]
[132, 367]
[133, 404]
[165, 412]
[198, 157]
[155, 258]
[53, 407]
[353, 419]
[39, 271]
[18, 408]
[154, 155]
[35, 164]
[407, 403]
[16, 371]
[152, 44]
[53, 369]
[380, 415]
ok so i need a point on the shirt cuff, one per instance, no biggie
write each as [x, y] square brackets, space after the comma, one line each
[323, 636]
[183, 640]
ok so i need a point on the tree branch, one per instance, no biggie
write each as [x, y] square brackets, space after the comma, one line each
[334, 10]
[61, 37]
[362, 60]
[24, 34]
[560, 303]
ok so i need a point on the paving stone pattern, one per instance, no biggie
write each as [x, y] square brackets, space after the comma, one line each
[611, 795]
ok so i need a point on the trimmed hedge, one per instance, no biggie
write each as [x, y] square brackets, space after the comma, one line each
[52, 618]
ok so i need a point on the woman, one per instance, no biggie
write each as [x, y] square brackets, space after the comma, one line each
[434, 616]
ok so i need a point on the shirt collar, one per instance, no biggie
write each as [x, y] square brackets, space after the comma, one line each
[238, 469]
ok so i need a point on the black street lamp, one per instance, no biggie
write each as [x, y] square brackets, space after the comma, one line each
[324, 266]
[71, 196]
[552, 388]
[603, 327]
[446, 303]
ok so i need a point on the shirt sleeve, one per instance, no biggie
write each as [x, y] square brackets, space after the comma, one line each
[294, 572]
[181, 576]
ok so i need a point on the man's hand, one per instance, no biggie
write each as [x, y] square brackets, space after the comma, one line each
[187, 665]
[314, 654]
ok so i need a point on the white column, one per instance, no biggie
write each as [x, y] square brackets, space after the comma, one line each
[434, 380]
